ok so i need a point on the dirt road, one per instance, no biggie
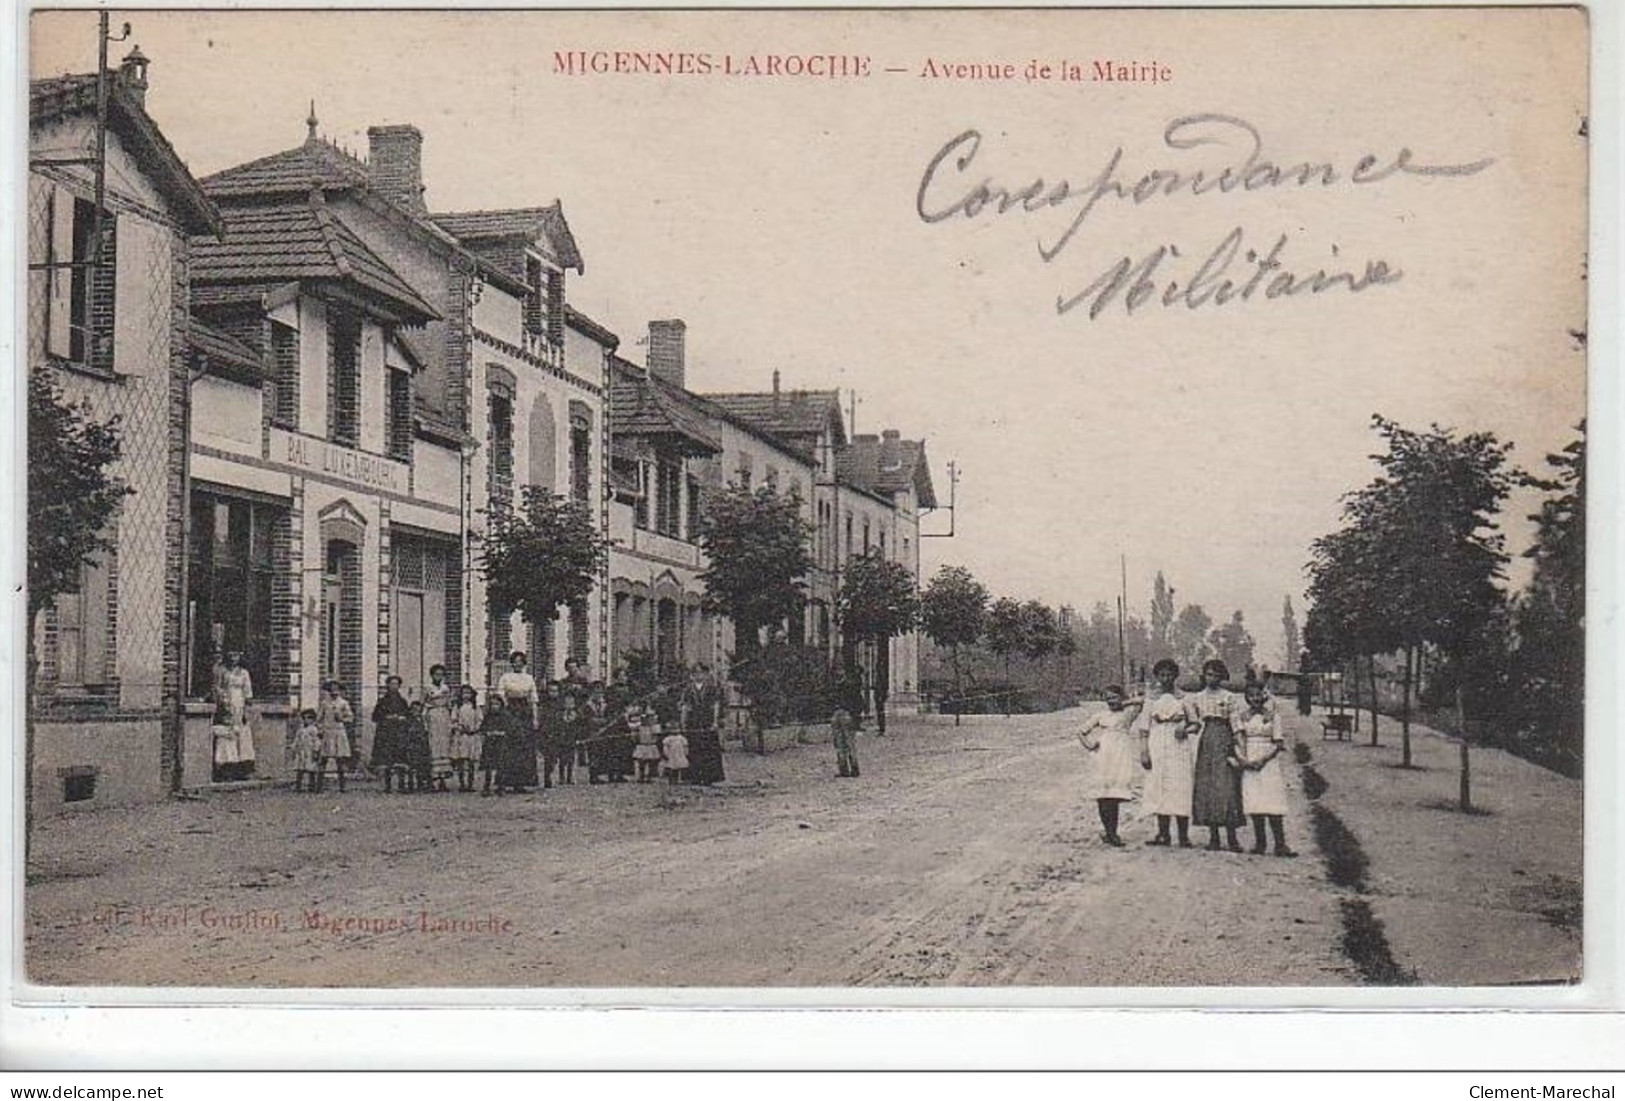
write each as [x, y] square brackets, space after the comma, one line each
[961, 857]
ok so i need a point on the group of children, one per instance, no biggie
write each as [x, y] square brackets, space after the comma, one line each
[1212, 757]
[423, 745]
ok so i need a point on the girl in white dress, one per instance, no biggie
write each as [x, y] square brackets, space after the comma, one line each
[1263, 787]
[1106, 735]
[1168, 750]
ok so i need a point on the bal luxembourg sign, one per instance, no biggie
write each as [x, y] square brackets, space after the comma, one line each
[343, 464]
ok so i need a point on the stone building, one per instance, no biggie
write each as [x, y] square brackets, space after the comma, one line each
[111, 325]
[412, 376]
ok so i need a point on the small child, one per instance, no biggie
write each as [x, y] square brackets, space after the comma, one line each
[333, 717]
[416, 777]
[645, 727]
[569, 732]
[493, 738]
[466, 740]
[844, 734]
[674, 748]
[307, 752]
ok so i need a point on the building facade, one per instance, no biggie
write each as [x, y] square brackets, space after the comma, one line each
[107, 308]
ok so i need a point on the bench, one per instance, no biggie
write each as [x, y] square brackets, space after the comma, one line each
[1340, 727]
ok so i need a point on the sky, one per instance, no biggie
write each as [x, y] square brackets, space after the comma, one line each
[819, 226]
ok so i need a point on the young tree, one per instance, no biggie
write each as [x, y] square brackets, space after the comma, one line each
[757, 545]
[72, 496]
[877, 602]
[953, 611]
[540, 557]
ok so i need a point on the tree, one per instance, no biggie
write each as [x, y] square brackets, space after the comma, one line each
[953, 611]
[1291, 647]
[876, 603]
[1006, 627]
[1162, 617]
[1190, 633]
[757, 546]
[1040, 631]
[1233, 644]
[1549, 617]
[72, 497]
[540, 557]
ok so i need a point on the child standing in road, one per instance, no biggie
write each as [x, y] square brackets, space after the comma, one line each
[333, 716]
[1259, 746]
[307, 750]
[844, 734]
[465, 739]
[674, 752]
[645, 728]
[493, 741]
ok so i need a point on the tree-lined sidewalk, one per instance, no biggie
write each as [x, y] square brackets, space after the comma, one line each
[1487, 898]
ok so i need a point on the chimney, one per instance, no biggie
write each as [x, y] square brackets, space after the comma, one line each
[891, 450]
[775, 389]
[666, 351]
[132, 73]
[395, 165]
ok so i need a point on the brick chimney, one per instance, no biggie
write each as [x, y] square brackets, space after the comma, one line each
[132, 73]
[395, 165]
[665, 356]
[891, 450]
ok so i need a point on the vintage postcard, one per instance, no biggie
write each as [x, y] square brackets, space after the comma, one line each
[861, 501]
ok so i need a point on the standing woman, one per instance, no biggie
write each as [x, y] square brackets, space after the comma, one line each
[1168, 750]
[518, 691]
[1263, 787]
[1216, 796]
[1106, 735]
[698, 711]
[437, 716]
[234, 690]
[391, 717]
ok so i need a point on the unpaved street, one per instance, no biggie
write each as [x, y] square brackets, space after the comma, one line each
[962, 857]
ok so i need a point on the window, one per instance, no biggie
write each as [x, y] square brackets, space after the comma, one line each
[499, 478]
[578, 631]
[229, 589]
[696, 510]
[400, 415]
[771, 478]
[580, 456]
[285, 375]
[422, 570]
[865, 536]
[882, 544]
[344, 379]
[79, 309]
[535, 320]
[849, 535]
[555, 307]
[668, 498]
[744, 470]
[82, 635]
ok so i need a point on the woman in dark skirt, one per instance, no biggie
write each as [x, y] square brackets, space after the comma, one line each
[390, 717]
[700, 704]
[1216, 798]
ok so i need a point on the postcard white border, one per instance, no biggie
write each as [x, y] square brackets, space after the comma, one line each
[1576, 1026]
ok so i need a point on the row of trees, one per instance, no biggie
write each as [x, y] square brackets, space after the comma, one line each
[1418, 570]
[963, 618]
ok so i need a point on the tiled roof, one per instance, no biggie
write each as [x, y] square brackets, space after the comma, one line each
[795, 416]
[301, 241]
[861, 464]
[545, 224]
[55, 97]
[316, 163]
[223, 348]
[643, 406]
